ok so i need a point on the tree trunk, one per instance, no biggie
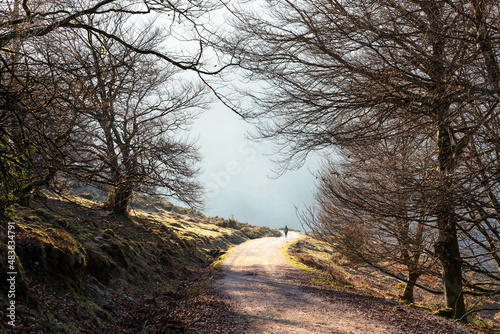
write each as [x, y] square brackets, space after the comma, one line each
[448, 252]
[120, 199]
[447, 248]
[410, 286]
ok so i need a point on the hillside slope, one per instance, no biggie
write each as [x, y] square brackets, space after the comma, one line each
[331, 270]
[80, 269]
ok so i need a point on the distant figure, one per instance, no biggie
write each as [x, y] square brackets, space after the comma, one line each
[285, 230]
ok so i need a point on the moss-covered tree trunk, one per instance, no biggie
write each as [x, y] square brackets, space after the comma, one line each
[119, 200]
[446, 248]
[410, 286]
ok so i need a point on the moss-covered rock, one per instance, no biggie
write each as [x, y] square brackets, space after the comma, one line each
[99, 264]
[115, 249]
[420, 307]
[50, 262]
[445, 313]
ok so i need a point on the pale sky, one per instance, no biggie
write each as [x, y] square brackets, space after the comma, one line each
[236, 170]
[236, 173]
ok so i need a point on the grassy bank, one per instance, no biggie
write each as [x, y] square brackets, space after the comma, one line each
[327, 267]
[81, 269]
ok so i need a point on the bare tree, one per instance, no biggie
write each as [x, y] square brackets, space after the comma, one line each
[34, 123]
[131, 112]
[340, 73]
[35, 97]
[29, 19]
[375, 208]
[478, 209]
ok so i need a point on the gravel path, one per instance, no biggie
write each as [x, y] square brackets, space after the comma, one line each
[270, 294]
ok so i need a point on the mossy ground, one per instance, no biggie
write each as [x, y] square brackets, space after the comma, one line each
[312, 257]
[84, 270]
[328, 267]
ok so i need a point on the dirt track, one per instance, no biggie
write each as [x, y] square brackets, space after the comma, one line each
[266, 291]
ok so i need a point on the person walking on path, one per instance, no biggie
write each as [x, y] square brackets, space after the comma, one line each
[285, 230]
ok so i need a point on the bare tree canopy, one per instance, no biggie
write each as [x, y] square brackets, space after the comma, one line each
[23, 20]
[50, 90]
[376, 208]
[351, 73]
[129, 121]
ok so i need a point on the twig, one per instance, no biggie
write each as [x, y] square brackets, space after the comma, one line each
[195, 321]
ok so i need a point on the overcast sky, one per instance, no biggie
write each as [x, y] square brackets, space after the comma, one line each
[237, 173]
